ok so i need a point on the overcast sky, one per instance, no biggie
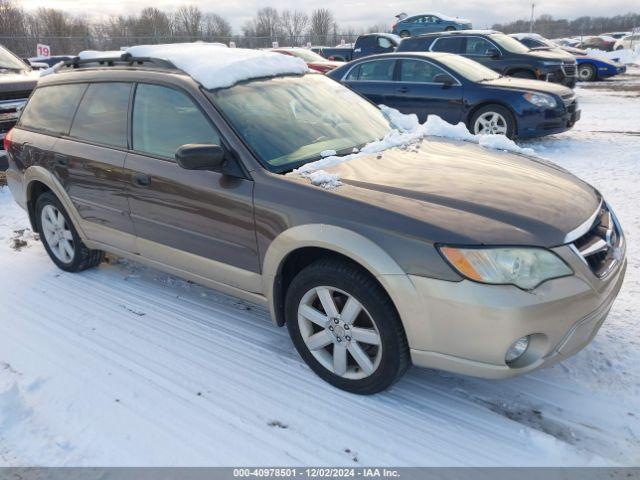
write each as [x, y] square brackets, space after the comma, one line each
[359, 13]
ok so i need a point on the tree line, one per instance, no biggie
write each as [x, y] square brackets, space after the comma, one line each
[550, 27]
[21, 30]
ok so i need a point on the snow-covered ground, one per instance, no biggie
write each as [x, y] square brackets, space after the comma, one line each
[124, 365]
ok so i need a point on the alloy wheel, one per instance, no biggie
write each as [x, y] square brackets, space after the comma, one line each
[339, 332]
[57, 233]
[490, 123]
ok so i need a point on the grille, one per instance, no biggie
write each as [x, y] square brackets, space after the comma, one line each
[569, 69]
[601, 246]
[21, 95]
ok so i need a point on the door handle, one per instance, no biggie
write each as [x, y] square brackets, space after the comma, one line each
[403, 89]
[141, 180]
[61, 160]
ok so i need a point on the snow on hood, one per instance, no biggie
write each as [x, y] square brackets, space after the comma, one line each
[211, 65]
[406, 130]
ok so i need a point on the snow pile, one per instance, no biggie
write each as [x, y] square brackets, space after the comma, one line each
[625, 56]
[324, 179]
[406, 130]
[210, 64]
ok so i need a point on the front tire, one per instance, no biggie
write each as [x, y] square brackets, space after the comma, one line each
[346, 328]
[449, 29]
[493, 120]
[60, 238]
[586, 73]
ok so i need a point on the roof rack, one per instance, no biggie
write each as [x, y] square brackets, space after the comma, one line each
[125, 59]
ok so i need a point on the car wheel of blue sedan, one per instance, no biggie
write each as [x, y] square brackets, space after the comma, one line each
[492, 120]
[586, 72]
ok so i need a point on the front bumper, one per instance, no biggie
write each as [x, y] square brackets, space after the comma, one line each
[467, 327]
[605, 72]
[548, 122]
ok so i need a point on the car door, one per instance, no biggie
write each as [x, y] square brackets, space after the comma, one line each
[481, 50]
[424, 88]
[449, 44]
[432, 24]
[372, 79]
[199, 221]
[90, 159]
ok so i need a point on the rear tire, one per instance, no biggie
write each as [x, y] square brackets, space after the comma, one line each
[405, 34]
[60, 238]
[493, 120]
[586, 73]
[357, 342]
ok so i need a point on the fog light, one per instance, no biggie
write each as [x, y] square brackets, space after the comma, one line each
[516, 350]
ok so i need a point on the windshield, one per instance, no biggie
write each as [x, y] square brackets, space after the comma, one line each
[469, 69]
[510, 44]
[307, 55]
[290, 121]
[8, 61]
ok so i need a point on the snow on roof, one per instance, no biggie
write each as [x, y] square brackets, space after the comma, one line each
[212, 66]
[443, 17]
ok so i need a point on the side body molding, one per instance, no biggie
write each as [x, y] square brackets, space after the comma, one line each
[358, 248]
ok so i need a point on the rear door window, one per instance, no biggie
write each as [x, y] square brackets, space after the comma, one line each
[418, 71]
[164, 119]
[479, 47]
[375, 71]
[450, 45]
[102, 114]
[51, 109]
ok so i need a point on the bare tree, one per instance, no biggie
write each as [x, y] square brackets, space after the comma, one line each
[153, 21]
[294, 23]
[216, 26]
[188, 21]
[322, 23]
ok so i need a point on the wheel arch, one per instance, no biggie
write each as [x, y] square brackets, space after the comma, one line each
[517, 69]
[37, 180]
[299, 246]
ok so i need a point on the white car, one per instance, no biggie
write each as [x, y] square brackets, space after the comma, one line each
[629, 42]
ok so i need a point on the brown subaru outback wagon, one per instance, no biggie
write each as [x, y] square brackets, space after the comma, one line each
[444, 255]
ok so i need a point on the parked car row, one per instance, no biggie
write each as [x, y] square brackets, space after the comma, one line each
[447, 255]
[590, 68]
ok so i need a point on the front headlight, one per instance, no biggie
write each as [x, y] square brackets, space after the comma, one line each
[552, 64]
[523, 267]
[541, 100]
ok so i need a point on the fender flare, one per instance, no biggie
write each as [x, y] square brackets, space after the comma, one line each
[355, 246]
[36, 173]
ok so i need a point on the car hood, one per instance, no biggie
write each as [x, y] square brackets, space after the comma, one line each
[460, 193]
[551, 54]
[329, 64]
[12, 81]
[529, 85]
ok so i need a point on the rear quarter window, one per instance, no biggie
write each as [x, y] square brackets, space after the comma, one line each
[52, 108]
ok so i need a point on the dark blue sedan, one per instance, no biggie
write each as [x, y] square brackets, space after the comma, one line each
[458, 89]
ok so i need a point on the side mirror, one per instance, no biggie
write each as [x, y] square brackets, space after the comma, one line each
[493, 53]
[446, 80]
[209, 157]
